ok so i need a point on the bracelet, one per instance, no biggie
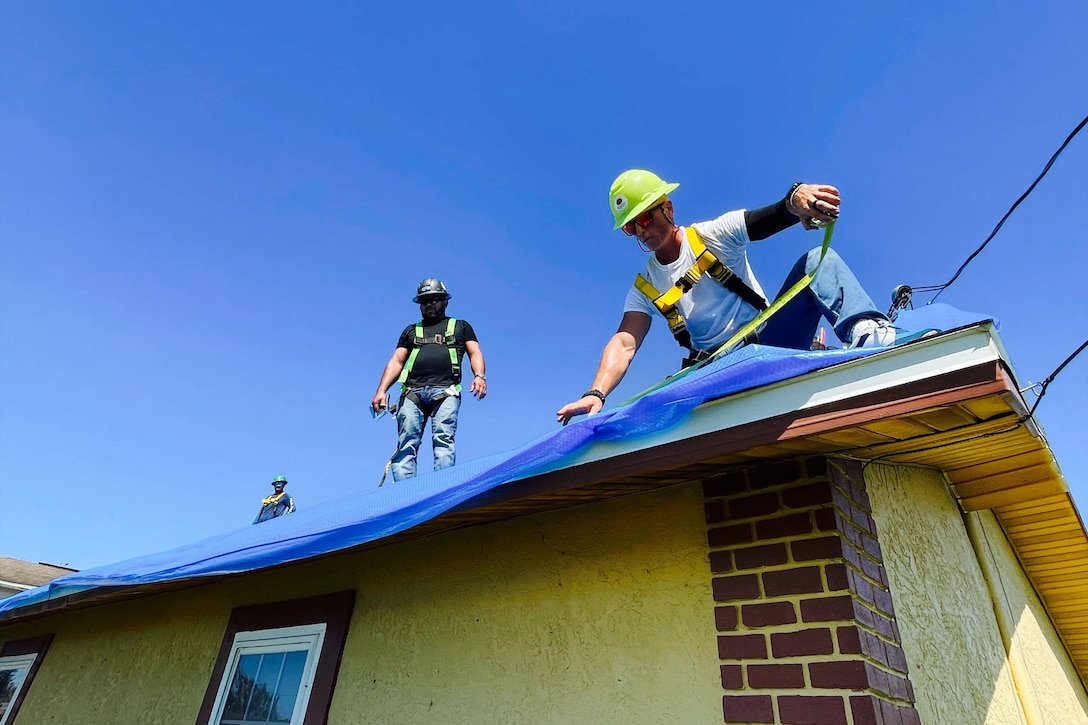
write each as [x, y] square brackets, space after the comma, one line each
[595, 393]
[789, 196]
[480, 376]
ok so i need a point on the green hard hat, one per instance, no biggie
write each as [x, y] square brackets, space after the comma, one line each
[279, 479]
[633, 192]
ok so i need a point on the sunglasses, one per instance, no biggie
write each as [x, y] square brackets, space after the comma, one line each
[643, 220]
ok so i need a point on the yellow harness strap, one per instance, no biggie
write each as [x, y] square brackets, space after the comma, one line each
[705, 263]
[274, 498]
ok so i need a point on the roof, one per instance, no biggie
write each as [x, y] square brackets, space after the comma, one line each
[949, 401]
[19, 574]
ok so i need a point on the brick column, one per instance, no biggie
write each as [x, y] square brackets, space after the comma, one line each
[806, 627]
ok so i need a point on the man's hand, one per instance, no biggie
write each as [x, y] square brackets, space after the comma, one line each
[379, 403]
[817, 205]
[586, 405]
[478, 387]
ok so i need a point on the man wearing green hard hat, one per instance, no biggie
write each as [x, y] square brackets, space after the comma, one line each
[699, 279]
[277, 504]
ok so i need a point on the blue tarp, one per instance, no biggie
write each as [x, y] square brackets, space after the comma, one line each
[379, 512]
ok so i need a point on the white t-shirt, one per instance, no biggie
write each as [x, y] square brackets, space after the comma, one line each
[712, 312]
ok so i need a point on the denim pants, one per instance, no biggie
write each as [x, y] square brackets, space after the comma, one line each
[834, 294]
[410, 423]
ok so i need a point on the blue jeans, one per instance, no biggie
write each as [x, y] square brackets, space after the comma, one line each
[410, 423]
[834, 294]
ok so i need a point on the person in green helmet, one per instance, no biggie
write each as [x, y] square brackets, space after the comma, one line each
[277, 504]
[725, 294]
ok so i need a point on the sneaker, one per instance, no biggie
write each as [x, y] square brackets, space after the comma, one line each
[871, 332]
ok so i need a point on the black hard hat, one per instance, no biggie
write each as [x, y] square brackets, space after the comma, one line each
[431, 287]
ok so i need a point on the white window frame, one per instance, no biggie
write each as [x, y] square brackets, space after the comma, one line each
[15, 662]
[307, 637]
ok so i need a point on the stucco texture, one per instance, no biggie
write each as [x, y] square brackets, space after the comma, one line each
[958, 663]
[600, 613]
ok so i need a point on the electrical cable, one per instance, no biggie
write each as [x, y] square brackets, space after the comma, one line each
[941, 287]
[1019, 421]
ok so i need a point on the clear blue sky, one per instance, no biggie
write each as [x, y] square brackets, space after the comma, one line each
[213, 218]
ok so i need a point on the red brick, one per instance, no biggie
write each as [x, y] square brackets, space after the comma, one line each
[890, 712]
[747, 708]
[837, 577]
[885, 627]
[865, 710]
[775, 474]
[896, 659]
[725, 618]
[714, 511]
[776, 676]
[825, 519]
[842, 675]
[874, 571]
[814, 710]
[731, 588]
[721, 561]
[764, 555]
[828, 609]
[732, 677]
[765, 615]
[826, 547]
[816, 467]
[872, 547]
[805, 580]
[899, 687]
[777, 528]
[805, 642]
[728, 485]
[811, 494]
[729, 535]
[742, 647]
[910, 716]
[849, 640]
[761, 504]
[883, 601]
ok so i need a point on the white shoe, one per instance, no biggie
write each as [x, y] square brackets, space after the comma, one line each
[870, 332]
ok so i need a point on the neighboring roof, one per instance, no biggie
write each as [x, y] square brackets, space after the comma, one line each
[949, 401]
[19, 574]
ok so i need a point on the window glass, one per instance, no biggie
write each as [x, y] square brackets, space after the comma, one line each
[270, 675]
[13, 672]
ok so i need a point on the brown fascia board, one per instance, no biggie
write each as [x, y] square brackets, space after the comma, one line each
[978, 381]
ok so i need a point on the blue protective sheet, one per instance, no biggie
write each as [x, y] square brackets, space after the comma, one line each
[379, 512]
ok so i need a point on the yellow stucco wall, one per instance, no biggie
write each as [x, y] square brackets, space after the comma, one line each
[600, 613]
[1048, 681]
[958, 662]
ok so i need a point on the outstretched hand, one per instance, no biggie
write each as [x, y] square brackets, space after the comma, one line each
[586, 405]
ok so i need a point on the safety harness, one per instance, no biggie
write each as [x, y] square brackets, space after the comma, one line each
[447, 339]
[418, 342]
[705, 263]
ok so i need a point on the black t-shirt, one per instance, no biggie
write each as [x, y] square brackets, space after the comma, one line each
[432, 365]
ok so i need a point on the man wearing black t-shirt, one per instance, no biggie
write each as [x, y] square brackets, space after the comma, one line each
[427, 363]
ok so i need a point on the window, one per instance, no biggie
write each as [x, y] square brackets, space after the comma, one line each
[19, 662]
[278, 663]
[270, 676]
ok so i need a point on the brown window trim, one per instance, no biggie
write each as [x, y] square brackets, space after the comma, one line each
[32, 645]
[334, 610]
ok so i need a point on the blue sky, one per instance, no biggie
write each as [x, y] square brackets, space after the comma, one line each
[212, 220]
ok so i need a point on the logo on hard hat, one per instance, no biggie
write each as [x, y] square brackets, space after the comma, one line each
[621, 203]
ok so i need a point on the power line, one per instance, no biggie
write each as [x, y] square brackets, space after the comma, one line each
[1019, 421]
[941, 287]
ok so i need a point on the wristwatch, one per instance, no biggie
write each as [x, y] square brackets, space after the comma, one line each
[481, 377]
